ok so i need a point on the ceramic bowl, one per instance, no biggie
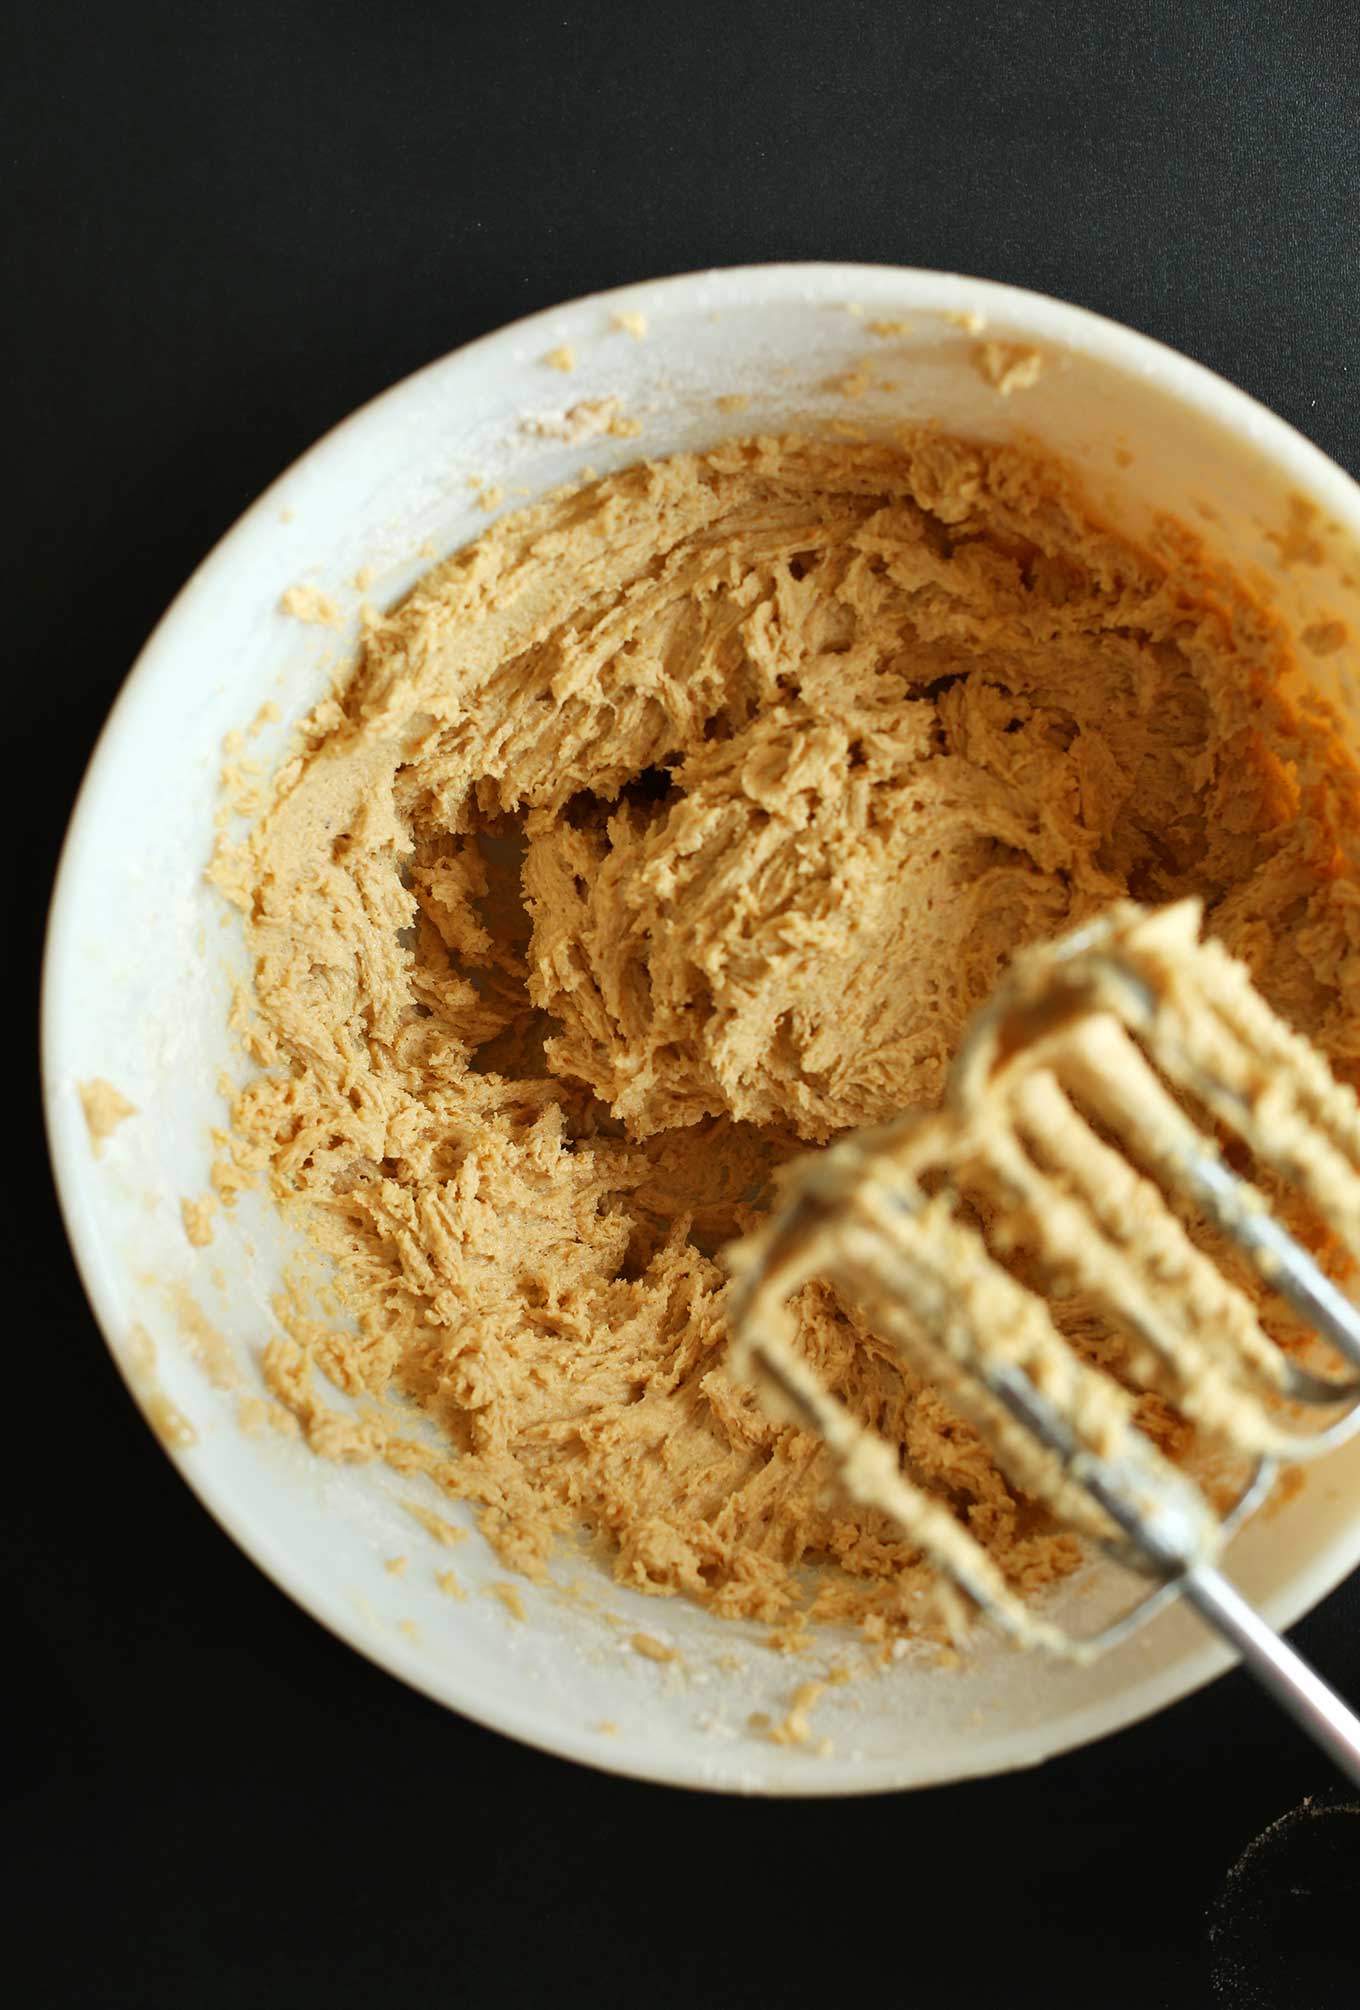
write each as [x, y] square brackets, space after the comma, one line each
[142, 959]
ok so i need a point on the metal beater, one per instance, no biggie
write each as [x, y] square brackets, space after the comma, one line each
[1071, 1152]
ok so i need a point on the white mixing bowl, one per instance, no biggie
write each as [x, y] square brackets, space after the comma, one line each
[142, 957]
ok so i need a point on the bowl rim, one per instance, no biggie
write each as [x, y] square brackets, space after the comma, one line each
[1096, 336]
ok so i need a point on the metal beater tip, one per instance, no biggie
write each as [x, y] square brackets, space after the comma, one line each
[1075, 1149]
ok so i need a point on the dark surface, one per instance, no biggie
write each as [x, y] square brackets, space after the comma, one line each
[231, 223]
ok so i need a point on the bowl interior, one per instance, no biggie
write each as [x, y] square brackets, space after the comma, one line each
[143, 960]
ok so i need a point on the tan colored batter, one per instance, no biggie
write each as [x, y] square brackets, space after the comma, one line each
[105, 1108]
[680, 821]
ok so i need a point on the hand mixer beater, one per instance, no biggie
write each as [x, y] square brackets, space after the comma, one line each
[1072, 1158]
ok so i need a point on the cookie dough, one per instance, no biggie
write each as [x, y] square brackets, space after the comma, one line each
[105, 1108]
[679, 823]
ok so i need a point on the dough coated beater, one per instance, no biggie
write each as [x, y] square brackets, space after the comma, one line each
[1091, 1154]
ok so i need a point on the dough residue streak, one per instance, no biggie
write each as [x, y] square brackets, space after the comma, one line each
[105, 1108]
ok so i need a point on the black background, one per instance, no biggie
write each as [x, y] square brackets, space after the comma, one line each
[228, 225]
